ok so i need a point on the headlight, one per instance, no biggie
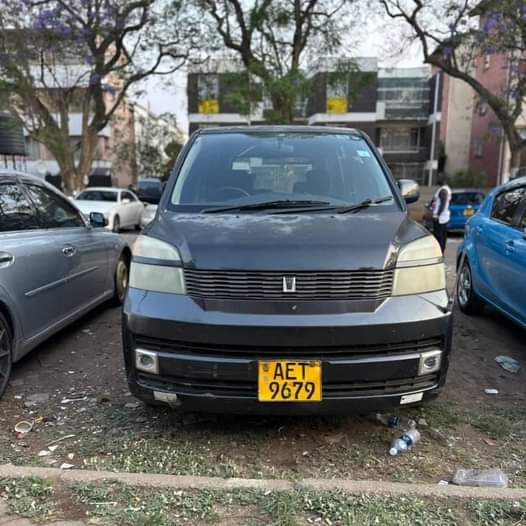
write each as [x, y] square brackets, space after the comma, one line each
[420, 268]
[156, 266]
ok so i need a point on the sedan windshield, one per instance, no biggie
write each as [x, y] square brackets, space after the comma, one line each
[98, 195]
[235, 171]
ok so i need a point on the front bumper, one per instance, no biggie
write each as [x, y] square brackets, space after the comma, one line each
[208, 356]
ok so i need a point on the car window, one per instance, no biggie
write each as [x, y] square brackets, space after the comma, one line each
[467, 198]
[55, 211]
[506, 204]
[16, 211]
[98, 195]
[127, 195]
[243, 168]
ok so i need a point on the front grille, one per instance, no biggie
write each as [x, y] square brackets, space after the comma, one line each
[341, 285]
[201, 387]
[262, 352]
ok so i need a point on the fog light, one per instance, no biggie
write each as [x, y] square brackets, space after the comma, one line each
[147, 361]
[430, 362]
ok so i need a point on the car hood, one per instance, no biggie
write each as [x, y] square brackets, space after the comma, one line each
[95, 206]
[368, 239]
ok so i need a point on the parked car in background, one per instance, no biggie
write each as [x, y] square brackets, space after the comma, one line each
[283, 275]
[54, 265]
[492, 259]
[149, 192]
[121, 207]
[464, 204]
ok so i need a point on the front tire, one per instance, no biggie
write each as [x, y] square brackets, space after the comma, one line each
[120, 281]
[6, 354]
[116, 225]
[468, 300]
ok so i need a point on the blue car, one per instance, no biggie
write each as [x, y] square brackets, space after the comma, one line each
[464, 204]
[491, 261]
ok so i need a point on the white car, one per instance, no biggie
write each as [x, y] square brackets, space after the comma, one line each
[121, 207]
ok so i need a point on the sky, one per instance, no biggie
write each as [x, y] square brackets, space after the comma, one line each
[169, 95]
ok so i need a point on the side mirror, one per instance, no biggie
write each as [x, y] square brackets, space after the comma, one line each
[410, 190]
[97, 220]
[125, 201]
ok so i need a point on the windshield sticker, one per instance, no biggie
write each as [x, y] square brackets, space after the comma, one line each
[240, 165]
[363, 153]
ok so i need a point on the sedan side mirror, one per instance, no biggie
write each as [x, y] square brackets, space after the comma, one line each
[97, 220]
[410, 190]
[126, 201]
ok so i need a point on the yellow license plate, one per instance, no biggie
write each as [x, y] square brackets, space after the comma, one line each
[289, 381]
[469, 212]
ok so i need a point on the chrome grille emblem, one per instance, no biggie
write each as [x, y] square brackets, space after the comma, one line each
[289, 284]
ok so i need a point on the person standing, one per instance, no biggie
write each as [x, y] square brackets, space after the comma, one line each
[441, 213]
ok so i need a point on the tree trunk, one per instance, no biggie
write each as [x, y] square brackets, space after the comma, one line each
[515, 160]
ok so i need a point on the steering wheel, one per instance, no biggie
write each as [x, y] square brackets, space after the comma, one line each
[244, 193]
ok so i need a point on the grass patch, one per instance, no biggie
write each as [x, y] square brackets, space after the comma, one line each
[29, 497]
[440, 415]
[501, 424]
[122, 505]
[148, 456]
[498, 513]
[117, 504]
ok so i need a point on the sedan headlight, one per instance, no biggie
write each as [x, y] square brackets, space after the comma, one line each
[156, 266]
[420, 268]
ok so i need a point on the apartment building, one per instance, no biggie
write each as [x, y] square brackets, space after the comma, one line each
[471, 132]
[399, 108]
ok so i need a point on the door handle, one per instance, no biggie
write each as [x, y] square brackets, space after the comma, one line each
[510, 246]
[6, 259]
[69, 251]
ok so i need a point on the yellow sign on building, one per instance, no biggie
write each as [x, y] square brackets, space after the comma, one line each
[337, 104]
[209, 106]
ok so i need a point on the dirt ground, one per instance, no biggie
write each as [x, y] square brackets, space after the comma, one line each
[74, 384]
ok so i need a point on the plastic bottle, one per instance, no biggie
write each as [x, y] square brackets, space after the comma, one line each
[405, 442]
[483, 478]
[395, 421]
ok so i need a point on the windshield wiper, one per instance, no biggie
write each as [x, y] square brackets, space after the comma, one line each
[336, 208]
[364, 204]
[267, 205]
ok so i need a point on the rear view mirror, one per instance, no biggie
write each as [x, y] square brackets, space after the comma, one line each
[125, 201]
[97, 220]
[410, 190]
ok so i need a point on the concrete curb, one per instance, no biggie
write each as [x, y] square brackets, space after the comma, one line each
[186, 482]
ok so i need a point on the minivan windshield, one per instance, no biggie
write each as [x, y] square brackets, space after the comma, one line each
[232, 169]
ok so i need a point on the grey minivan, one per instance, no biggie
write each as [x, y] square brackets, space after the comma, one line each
[282, 274]
[54, 265]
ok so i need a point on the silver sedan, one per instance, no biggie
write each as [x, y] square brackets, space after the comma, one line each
[54, 265]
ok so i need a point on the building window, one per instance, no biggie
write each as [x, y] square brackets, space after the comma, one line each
[208, 93]
[487, 62]
[399, 139]
[483, 108]
[479, 149]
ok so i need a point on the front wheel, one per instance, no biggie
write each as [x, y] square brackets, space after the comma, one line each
[6, 355]
[116, 224]
[122, 273]
[468, 300]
